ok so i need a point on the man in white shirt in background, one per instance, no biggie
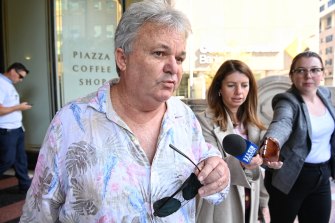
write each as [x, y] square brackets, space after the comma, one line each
[12, 150]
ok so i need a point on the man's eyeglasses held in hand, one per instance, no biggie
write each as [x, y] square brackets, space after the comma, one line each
[169, 205]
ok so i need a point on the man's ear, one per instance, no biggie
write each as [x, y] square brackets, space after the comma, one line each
[120, 59]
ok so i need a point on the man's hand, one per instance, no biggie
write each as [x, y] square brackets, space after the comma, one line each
[20, 107]
[214, 175]
[24, 106]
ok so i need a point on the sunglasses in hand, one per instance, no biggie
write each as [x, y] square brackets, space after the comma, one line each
[168, 205]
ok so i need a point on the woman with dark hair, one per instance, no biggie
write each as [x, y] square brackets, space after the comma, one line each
[232, 109]
[303, 126]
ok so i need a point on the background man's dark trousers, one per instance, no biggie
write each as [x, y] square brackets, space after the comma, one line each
[13, 154]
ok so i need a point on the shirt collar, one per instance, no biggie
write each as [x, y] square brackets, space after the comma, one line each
[6, 78]
[102, 103]
[99, 100]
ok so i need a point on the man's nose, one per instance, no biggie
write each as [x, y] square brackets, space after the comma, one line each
[171, 65]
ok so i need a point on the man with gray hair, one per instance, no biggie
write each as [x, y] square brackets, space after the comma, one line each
[131, 152]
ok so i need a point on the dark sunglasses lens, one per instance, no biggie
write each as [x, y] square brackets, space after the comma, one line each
[192, 187]
[163, 209]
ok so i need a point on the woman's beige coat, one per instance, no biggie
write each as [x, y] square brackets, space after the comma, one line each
[232, 209]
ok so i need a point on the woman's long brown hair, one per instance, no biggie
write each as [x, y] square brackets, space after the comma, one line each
[247, 112]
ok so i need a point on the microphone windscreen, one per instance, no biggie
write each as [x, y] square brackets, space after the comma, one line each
[234, 144]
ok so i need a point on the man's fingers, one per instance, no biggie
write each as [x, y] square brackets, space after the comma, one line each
[214, 176]
[214, 187]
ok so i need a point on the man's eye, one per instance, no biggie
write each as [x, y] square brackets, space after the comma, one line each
[159, 53]
[180, 59]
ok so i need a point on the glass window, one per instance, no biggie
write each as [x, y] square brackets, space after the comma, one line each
[85, 45]
[329, 21]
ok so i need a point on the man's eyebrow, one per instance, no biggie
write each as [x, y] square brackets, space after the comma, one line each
[166, 47]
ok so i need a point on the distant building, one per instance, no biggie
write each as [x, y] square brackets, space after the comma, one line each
[327, 39]
[264, 34]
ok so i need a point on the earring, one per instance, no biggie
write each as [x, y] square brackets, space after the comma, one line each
[219, 94]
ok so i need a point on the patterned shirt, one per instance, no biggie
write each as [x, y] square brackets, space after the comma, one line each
[91, 167]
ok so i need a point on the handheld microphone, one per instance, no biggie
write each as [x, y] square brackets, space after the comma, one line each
[240, 148]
